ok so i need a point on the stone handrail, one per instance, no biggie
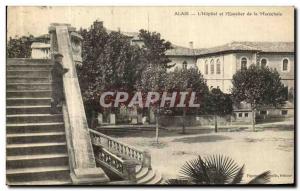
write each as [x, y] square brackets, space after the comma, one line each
[121, 167]
[113, 161]
[122, 148]
[83, 164]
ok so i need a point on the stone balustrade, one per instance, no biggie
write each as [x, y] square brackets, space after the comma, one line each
[99, 139]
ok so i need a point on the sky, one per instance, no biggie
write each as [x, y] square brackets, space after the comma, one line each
[205, 26]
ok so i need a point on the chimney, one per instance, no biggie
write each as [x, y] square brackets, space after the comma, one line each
[98, 24]
[119, 29]
[191, 45]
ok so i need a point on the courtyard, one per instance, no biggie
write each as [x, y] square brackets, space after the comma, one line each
[259, 151]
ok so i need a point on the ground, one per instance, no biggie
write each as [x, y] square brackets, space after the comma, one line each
[270, 149]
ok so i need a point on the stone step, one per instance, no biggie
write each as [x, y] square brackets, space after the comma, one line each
[34, 118]
[28, 109]
[28, 86]
[38, 173]
[14, 79]
[25, 61]
[138, 168]
[66, 181]
[28, 73]
[156, 180]
[30, 161]
[142, 173]
[29, 66]
[49, 137]
[35, 148]
[150, 175]
[25, 101]
[28, 93]
[35, 127]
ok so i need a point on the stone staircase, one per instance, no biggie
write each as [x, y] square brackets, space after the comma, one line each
[36, 150]
[146, 176]
[36, 147]
[110, 152]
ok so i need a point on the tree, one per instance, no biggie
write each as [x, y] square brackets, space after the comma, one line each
[110, 64]
[216, 169]
[19, 47]
[258, 86]
[218, 104]
[191, 80]
[155, 48]
[154, 77]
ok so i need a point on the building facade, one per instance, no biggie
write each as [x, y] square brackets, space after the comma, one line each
[219, 64]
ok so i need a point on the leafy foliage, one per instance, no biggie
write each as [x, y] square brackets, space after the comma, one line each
[110, 63]
[19, 47]
[216, 169]
[217, 103]
[189, 79]
[258, 86]
[155, 48]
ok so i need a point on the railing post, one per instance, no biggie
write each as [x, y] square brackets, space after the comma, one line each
[147, 159]
[129, 170]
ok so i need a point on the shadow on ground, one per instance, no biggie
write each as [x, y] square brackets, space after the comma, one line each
[201, 139]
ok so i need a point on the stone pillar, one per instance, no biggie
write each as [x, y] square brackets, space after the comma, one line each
[147, 159]
[76, 43]
[151, 116]
[129, 170]
[144, 120]
[134, 115]
[139, 118]
[100, 118]
[112, 118]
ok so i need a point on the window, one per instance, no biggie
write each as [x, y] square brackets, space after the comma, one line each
[285, 64]
[212, 67]
[284, 112]
[246, 114]
[218, 67]
[206, 67]
[244, 63]
[263, 112]
[240, 114]
[184, 65]
[263, 62]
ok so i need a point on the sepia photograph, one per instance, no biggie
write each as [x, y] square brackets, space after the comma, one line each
[150, 95]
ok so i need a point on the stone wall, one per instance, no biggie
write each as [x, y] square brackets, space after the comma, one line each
[202, 121]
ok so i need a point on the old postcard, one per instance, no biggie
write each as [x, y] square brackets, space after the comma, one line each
[150, 95]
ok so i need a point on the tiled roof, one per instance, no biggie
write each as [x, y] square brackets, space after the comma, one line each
[234, 46]
[271, 46]
[182, 51]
